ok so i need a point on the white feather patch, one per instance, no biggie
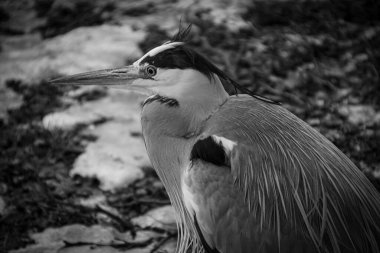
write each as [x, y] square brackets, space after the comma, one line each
[227, 144]
[158, 50]
[150, 97]
[188, 196]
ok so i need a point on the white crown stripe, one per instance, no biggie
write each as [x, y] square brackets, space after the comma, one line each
[158, 50]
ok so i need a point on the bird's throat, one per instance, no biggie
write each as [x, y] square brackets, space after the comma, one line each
[161, 99]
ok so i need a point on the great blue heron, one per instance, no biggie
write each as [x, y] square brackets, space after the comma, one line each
[243, 173]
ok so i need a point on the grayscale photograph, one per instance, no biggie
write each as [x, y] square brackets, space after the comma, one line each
[189, 126]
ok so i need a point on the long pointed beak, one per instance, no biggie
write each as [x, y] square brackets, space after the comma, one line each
[117, 77]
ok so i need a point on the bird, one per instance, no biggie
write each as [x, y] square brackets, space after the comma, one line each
[243, 173]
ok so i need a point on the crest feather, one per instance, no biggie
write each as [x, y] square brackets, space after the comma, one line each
[183, 34]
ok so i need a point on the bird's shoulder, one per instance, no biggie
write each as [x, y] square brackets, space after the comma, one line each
[246, 120]
[246, 125]
[290, 175]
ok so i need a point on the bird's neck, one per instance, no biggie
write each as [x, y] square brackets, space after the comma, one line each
[170, 126]
[182, 114]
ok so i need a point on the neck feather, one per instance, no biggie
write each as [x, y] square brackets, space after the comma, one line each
[171, 121]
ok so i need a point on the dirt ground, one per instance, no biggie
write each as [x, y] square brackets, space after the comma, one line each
[320, 59]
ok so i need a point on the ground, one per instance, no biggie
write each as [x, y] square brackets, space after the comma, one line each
[320, 59]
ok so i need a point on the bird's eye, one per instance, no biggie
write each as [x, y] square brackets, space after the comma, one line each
[151, 70]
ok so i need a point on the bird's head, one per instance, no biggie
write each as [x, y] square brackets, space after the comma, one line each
[173, 70]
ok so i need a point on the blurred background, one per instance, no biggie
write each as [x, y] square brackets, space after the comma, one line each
[74, 175]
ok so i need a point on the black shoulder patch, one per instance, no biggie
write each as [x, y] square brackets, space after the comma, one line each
[171, 102]
[206, 247]
[210, 151]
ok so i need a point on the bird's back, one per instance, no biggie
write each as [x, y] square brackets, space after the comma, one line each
[278, 184]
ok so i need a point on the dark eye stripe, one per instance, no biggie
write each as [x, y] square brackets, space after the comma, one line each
[182, 57]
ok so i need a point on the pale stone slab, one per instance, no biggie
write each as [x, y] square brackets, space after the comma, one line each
[93, 239]
[161, 217]
[116, 158]
[82, 49]
[119, 153]
[117, 105]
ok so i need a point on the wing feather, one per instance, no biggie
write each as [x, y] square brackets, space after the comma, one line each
[293, 179]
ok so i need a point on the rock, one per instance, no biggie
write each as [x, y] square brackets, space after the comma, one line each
[115, 158]
[88, 93]
[140, 236]
[360, 114]
[19, 43]
[38, 249]
[314, 122]
[169, 247]
[82, 49]
[118, 154]
[75, 234]
[121, 106]
[18, 18]
[60, 14]
[8, 100]
[95, 239]
[333, 135]
[376, 172]
[2, 206]
[52, 240]
[70, 118]
[144, 13]
[228, 13]
[99, 201]
[103, 249]
[28, 58]
[161, 217]
[93, 201]
[342, 93]
[90, 249]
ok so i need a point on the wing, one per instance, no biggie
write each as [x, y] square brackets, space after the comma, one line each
[286, 183]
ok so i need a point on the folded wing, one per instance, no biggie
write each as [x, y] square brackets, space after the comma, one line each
[289, 184]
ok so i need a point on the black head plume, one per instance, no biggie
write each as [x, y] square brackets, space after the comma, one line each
[183, 33]
[247, 91]
[183, 57]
